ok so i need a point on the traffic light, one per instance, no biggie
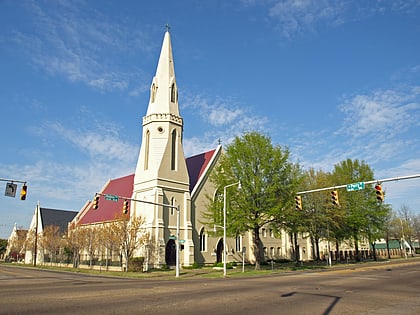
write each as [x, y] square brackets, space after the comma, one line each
[23, 192]
[96, 202]
[379, 193]
[125, 206]
[298, 201]
[334, 198]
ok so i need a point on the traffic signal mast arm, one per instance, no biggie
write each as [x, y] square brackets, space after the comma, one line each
[391, 179]
[12, 180]
[143, 201]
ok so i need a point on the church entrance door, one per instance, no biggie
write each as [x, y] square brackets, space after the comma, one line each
[170, 253]
[219, 251]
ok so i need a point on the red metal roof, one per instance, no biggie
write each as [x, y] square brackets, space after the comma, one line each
[109, 210]
[196, 166]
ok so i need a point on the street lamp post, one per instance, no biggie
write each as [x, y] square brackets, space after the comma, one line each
[224, 223]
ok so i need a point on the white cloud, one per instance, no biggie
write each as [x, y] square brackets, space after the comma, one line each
[383, 112]
[101, 144]
[81, 46]
[219, 119]
[294, 17]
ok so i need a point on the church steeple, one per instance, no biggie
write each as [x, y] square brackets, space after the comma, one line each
[161, 176]
[164, 91]
[161, 155]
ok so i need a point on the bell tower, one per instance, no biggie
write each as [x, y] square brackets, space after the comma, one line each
[161, 176]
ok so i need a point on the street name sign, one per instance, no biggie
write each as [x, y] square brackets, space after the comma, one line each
[111, 197]
[356, 186]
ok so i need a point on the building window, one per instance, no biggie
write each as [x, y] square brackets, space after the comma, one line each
[202, 240]
[173, 93]
[173, 150]
[265, 252]
[238, 243]
[264, 232]
[271, 233]
[153, 93]
[272, 252]
[172, 204]
[146, 151]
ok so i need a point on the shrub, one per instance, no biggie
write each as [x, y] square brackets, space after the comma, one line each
[136, 264]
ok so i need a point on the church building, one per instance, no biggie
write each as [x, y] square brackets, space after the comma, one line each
[170, 191]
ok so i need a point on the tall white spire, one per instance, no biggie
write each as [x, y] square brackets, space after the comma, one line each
[161, 175]
[164, 91]
[161, 154]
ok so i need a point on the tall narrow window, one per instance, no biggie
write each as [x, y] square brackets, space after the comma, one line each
[173, 93]
[173, 204]
[146, 151]
[153, 92]
[202, 240]
[238, 246]
[173, 150]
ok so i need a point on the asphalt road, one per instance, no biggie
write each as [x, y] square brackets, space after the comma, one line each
[388, 288]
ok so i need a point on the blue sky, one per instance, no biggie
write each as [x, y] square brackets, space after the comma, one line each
[331, 80]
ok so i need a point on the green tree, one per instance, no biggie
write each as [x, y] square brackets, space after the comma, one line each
[364, 217]
[320, 219]
[3, 246]
[268, 179]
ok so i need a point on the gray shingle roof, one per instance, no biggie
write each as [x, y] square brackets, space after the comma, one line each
[60, 218]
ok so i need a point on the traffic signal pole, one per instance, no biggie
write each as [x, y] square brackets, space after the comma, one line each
[391, 179]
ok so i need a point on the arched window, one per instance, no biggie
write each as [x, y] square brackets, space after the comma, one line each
[153, 92]
[202, 240]
[173, 150]
[173, 93]
[146, 151]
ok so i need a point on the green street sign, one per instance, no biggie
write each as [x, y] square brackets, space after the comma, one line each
[356, 186]
[181, 241]
[172, 237]
[111, 197]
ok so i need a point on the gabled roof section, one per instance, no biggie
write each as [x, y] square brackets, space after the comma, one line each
[199, 165]
[108, 210]
[55, 217]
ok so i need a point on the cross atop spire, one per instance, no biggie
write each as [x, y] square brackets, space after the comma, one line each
[167, 26]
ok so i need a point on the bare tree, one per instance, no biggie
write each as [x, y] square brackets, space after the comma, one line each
[130, 235]
[50, 241]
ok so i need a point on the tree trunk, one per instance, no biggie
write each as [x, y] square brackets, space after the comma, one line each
[337, 251]
[374, 251]
[387, 247]
[295, 242]
[257, 248]
[317, 249]
[356, 247]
